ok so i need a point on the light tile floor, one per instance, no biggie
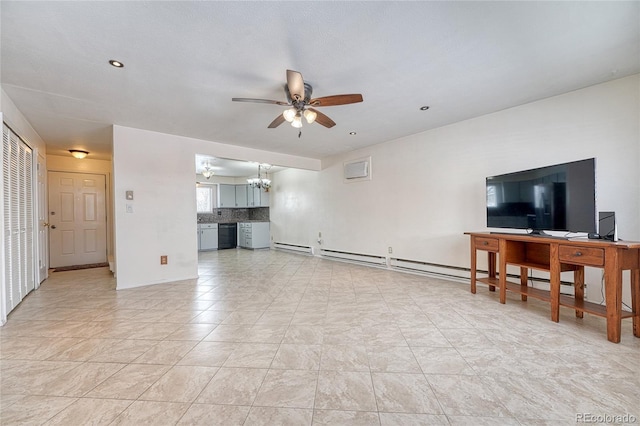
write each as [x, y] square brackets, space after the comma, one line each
[271, 338]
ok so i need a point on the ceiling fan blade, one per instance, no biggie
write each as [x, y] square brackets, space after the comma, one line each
[275, 123]
[260, 101]
[295, 83]
[336, 100]
[323, 119]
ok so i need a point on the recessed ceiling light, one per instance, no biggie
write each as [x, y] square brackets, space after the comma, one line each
[424, 108]
[352, 133]
[116, 64]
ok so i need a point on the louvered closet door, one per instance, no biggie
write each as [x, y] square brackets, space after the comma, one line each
[17, 168]
[6, 210]
[27, 217]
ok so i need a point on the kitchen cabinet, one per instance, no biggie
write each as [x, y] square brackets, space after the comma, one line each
[207, 236]
[254, 235]
[241, 195]
[226, 195]
[257, 197]
[264, 199]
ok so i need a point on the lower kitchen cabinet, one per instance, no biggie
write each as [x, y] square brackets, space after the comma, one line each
[207, 236]
[254, 235]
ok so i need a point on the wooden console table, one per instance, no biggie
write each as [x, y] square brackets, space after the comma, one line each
[556, 255]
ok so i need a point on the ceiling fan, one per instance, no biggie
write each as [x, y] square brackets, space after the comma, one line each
[299, 99]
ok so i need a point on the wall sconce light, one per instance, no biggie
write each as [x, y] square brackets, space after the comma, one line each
[78, 153]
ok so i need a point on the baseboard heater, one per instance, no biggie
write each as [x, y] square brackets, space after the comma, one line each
[367, 259]
[447, 271]
[293, 247]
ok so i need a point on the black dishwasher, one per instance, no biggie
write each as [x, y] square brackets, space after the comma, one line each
[227, 235]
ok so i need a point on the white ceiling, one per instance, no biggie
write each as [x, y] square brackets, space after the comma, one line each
[184, 61]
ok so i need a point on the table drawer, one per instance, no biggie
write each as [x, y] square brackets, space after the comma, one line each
[581, 255]
[488, 244]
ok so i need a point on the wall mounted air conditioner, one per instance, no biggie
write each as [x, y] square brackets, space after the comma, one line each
[357, 170]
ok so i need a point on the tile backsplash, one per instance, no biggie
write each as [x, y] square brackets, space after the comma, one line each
[234, 215]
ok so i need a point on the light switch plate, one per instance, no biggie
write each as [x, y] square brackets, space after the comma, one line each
[129, 195]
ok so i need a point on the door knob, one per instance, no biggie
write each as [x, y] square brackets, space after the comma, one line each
[53, 227]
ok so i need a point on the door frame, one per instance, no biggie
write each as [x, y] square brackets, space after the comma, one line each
[42, 206]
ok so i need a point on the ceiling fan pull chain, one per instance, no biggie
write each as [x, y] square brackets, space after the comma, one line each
[299, 134]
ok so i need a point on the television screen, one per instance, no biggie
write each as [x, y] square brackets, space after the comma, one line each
[553, 198]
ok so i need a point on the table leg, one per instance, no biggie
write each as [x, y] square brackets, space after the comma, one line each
[491, 260]
[473, 265]
[554, 288]
[613, 293]
[524, 279]
[578, 285]
[503, 270]
[635, 300]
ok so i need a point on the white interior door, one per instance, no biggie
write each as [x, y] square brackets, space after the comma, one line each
[77, 219]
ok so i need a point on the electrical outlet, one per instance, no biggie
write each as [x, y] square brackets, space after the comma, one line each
[163, 260]
[390, 250]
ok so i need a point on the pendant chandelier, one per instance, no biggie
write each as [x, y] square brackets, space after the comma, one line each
[259, 182]
[207, 172]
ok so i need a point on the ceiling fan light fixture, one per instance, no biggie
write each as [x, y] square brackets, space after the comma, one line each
[310, 115]
[78, 153]
[289, 114]
[299, 102]
[297, 121]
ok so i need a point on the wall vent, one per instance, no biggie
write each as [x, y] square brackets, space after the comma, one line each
[293, 247]
[357, 170]
[368, 259]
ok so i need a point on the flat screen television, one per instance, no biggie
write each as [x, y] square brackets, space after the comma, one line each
[561, 197]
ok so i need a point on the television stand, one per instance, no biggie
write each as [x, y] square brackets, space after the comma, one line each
[555, 255]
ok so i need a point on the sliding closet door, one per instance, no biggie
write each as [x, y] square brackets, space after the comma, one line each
[18, 218]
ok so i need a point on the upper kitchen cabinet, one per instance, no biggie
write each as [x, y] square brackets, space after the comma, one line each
[264, 198]
[257, 197]
[227, 195]
[241, 196]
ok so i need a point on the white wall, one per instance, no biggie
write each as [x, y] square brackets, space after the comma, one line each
[296, 203]
[160, 169]
[14, 119]
[428, 189]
